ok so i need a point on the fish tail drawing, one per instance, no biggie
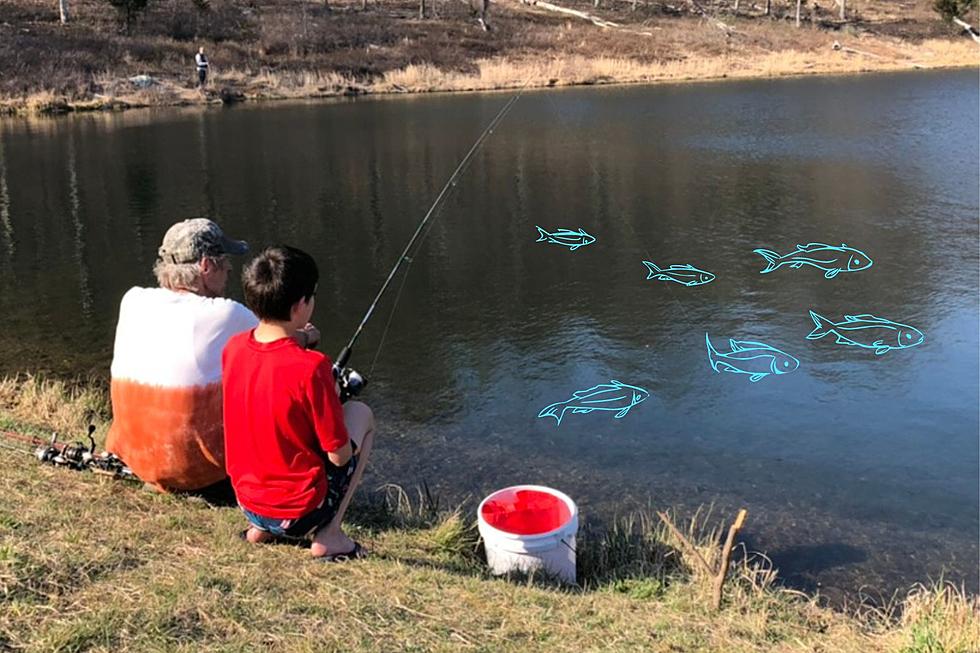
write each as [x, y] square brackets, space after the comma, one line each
[712, 353]
[554, 410]
[652, 267]
[772, 259]
[544, 234]
[823, 326]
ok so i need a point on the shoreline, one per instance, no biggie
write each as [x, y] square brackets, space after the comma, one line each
[639, 585]
[504, 75]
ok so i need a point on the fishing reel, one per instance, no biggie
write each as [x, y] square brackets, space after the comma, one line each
[350, 381]
[78, 456]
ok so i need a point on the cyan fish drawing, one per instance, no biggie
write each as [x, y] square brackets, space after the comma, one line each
[756, 359]
[686, 275]
[829, 258]
[613, 396]
[867, 331]
[566, 238]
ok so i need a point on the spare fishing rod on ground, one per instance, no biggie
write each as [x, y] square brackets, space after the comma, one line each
[351, 382]
[77, 456]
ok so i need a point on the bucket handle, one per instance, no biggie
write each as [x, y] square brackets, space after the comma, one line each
[561, 541]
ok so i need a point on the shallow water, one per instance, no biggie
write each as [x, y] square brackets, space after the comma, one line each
[857, 469]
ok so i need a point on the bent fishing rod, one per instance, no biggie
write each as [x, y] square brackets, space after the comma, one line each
[351, 382]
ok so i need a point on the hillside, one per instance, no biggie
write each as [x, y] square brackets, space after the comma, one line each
[281, 49]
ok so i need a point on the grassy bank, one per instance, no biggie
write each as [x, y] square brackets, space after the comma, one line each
[93, 564]
[266, 49]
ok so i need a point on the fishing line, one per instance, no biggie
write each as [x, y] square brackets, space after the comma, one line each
[345, 353]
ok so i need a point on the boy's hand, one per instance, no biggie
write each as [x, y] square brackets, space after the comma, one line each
[311, 334]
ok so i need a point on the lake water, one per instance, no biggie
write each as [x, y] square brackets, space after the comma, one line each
[857, 469]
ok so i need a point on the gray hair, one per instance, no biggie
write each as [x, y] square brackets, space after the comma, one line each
[178, 276]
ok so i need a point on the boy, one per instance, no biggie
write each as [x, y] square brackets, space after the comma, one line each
[294, 454]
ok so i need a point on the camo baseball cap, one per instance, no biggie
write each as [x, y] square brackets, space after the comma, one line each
[191, 240]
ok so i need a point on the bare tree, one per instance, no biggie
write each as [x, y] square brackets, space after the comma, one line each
[63, 8]
[843, 7]
[798, 3]
[421, 9]
[768, 7]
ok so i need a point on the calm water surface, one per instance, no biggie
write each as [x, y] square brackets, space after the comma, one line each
[857, 469]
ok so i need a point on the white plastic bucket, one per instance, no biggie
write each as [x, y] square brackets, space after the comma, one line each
[529, 528]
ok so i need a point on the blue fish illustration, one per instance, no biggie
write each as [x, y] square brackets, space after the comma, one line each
[867, 331]
[566, 237]
[615, 396]
[754, 358]
[686, 275]
[828, 258]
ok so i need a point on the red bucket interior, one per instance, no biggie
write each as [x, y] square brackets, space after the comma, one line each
[526, 512]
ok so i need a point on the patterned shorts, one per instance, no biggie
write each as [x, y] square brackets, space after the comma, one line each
[338, 481]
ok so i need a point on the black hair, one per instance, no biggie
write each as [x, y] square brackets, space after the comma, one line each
[278, 278]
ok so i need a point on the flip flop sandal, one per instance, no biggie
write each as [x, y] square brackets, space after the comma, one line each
[357, 553]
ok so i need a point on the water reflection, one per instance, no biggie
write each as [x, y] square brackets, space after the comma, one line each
[485, 327]
[84, 290]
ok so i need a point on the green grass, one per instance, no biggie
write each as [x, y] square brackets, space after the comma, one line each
[90, 564]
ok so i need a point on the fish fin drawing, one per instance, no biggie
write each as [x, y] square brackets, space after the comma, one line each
[735, 345]
[621, 414]
[796, 266]
[664, 277]
[544, 234]
[841, 340]
[653, 269]
[832, 273]
[685, 266]
[772, 259]
[751, 344]
[811, 246]
[581, 394]
[574, 247]
[554, 410]
[867, 317]
[582, 411]
[823, 326]
[712, 353]
[757, 377]
[883, 349]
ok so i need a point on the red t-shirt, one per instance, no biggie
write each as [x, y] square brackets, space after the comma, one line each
[280, 412]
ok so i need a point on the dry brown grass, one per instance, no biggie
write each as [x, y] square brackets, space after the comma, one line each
[53, 404]
[575, 70]
[89, 564]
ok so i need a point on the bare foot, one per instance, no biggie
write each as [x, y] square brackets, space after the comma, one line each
[327, 542]
[255, 536]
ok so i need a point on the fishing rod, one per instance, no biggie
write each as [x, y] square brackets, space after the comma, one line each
[351, 382]
[77, 456]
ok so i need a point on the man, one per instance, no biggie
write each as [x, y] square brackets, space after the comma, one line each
[202, 66]
[166, 365]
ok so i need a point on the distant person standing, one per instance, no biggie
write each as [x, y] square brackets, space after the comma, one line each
[201, 60]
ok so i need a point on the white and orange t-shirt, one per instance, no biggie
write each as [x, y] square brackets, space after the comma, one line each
[166, 385]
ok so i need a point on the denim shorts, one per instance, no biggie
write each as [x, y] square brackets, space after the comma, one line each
[338, 481]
